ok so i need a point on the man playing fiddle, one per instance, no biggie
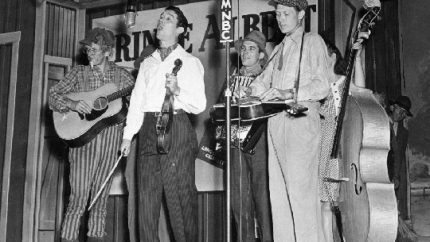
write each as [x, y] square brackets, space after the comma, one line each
[167, 176]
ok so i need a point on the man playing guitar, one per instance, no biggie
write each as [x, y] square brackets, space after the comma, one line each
[90, 163]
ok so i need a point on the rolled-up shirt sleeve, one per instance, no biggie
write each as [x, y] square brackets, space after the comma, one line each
[135, 113]
[192, 95]
[57, 99]
[318, 86]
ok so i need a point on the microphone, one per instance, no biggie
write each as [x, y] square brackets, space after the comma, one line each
[130, 16]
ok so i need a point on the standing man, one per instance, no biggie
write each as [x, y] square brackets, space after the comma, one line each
[302, 72]
[250, 191]
[91, 163]
[168, 176]
[397, 167]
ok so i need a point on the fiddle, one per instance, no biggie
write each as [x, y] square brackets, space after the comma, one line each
[165, 117]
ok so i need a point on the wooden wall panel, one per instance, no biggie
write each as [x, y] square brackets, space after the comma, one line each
[61, 30]
[18, 16]
[5, 58]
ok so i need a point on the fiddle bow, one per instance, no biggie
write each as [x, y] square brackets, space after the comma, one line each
[165, 117]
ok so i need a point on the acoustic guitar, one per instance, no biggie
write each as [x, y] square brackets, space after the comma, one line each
[253, 109]
[108, 109]
[253, 115]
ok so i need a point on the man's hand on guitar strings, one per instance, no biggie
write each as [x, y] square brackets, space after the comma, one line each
[275, 93]
[242, 92]
[80, 106]
[125, 147]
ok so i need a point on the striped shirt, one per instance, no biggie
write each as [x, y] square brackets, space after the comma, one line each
[74, 81]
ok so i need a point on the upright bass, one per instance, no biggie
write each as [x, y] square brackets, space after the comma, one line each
[362, 142]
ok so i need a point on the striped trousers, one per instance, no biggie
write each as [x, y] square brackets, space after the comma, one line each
[171, 175]
[89, 167]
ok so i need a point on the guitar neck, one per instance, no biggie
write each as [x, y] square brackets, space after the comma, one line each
[120, 93]
[345, 93]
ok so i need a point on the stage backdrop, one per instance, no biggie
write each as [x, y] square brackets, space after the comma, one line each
[202, 41]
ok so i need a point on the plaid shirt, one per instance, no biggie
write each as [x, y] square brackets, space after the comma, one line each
[74, 81]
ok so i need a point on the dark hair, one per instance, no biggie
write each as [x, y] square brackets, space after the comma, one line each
[340, 65]
[182, 20]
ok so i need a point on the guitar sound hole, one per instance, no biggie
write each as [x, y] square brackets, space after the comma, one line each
[100, 103]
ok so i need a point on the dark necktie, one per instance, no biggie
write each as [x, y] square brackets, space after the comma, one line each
[164, 52]
[281, 58]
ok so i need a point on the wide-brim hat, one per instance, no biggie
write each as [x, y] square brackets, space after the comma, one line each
[403, 102]
[300, 4]
[98, 34]
[256, 37]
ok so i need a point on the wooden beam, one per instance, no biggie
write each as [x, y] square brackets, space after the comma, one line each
[31, 192]
[65, 3]
[14, 39]
[88, 4]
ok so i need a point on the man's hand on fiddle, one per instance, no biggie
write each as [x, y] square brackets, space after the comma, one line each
[172, 84]
[79, 106]
[275, 93]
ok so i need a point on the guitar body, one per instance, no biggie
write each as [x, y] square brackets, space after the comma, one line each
[77, 130]
[368, 200]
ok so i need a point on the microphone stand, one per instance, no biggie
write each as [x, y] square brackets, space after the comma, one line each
[228, 94]
[226, 38]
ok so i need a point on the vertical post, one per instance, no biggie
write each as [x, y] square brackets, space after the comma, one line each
[226, 38]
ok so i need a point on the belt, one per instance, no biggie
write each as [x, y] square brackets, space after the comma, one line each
[175, 112]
